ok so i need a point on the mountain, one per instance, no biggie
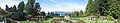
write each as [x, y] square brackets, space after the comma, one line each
[60, 12]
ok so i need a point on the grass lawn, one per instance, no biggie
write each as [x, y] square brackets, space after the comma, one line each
[46, 21]
[85, 20]
[98, 21]
[118, 21]
[88, 21]
[26, 21]
[105, 21]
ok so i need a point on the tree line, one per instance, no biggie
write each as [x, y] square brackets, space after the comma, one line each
[103, 8]
[22, 11]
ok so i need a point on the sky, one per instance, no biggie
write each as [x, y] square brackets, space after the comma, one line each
[51, 5]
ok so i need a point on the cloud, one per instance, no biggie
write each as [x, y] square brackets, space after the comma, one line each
[49, 7]
[64, 7]
[53, 1]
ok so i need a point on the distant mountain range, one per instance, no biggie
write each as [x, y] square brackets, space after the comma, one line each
[60, 12]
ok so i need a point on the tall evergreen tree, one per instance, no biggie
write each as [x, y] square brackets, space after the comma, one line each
[97, 7]
[103, 8]
[7, 8]
[114, 8]
[31, 2]
[81, 12]
[37, 5]
[89, 8]
[30, 8]
[14, 9]
[2, 12]
[21, 6]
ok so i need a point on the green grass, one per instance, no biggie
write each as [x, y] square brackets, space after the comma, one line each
[98, 21]
[26, 21]
[86, 21]
[45, 22]
[118, 21]
[103, 21]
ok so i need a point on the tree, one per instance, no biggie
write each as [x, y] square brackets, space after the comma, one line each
[90, 9]
[43, 13]
[50, 15]
[0, 7]
[81, 12]
[76, 13]
[10, 9]
[2, 12]
[114, 8]
[37, 6]
[97, 8]
[7, 8]
[14, 9]
[103, 8]
[31, 2]
[19, 16]
[21, 6]
[30, 8]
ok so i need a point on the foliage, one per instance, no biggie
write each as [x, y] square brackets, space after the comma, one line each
[114, 8]
[14, 9]
[30, 8]
[19, 16]
[43, 13]
[21, 6]
[103, 8]
[76, 14]
[11, 9]
[118, 21]
[2, 12]
[7, 8]
[89, 8]
[10, 20]
[110, 18]
[81, 13]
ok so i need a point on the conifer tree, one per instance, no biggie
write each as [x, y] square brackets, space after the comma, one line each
[14, 9]
[7, 8]
[30, 8]
[81, 13]
[21, 6]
